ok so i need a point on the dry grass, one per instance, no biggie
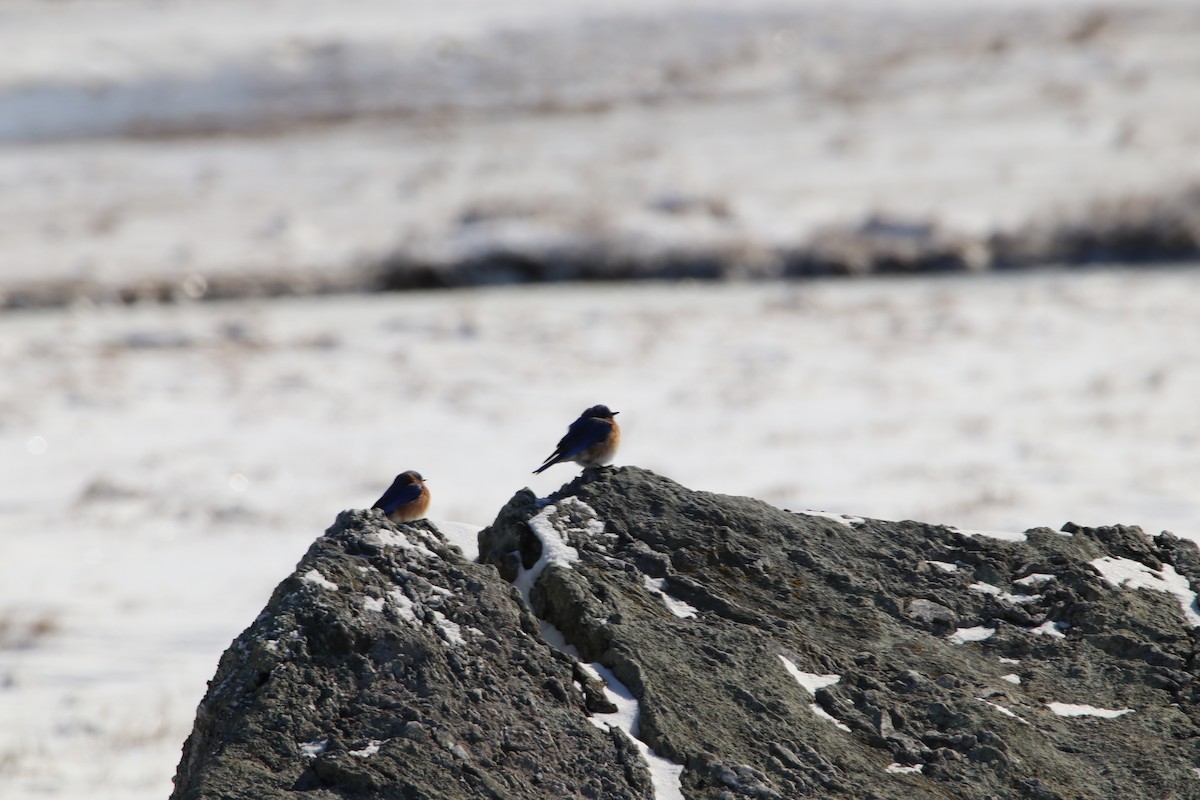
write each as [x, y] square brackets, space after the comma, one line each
[17, 633]
[1136, 229]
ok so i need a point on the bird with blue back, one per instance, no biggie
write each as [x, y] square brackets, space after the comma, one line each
[406, 500]
[591, 440]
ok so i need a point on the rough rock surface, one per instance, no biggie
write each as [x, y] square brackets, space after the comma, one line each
[388, 666]
[862, 599]
[948, 650]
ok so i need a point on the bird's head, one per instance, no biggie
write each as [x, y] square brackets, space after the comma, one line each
[601, 412]
[411, 476]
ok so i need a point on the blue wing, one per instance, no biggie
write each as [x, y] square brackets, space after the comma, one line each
[397, 495]
[584, 432]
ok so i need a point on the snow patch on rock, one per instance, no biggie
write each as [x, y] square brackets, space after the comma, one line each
[1076, 710]
[317, 579]
[1129, 574]
[975, 634]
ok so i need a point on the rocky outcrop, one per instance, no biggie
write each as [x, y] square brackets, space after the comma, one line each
[772, 655]
[388, 666]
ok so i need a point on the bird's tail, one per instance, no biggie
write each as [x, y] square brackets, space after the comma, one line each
[550, 462]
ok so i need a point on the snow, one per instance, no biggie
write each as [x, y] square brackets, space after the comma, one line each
[1034, 579]
[1051, 629]
[811, 682]
[449, 630]
[900, 769]
[976, 634]
[474, 112]
[555, 638]
[373, 604]
[463, 535]
[1008, 597]
[549, 527]
[944, 566]
[404, 606]
[677, 607]
[389, 538]
[371, 748]
[1073, 710]
[1006, 712]
[311, 427]
[315, 748]
[1129, 574]
[418, 612]
[1006, 536]
[316, 578]
[825, 715]
[1011, 677]
[845, 519]
[664, 774]
[593, 526]
[421, 609]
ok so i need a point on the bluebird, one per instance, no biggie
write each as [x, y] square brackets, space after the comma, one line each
[591, 440]
[406, 499]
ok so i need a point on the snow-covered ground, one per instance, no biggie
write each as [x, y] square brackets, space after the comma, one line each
[313, 134]
[164, 467]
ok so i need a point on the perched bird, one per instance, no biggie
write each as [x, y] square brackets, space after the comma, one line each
[406, 499]
[591, 440]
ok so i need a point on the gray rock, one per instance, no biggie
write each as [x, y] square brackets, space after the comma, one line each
[859, 601]
[448, 690]
[934, 616]
[387, 666]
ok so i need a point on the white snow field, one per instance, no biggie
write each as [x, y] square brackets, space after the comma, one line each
[171, 140]
[165, 466]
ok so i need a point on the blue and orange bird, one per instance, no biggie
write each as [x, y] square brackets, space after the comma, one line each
[591, 440]
[406, 499]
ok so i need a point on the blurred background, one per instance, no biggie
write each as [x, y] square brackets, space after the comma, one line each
[897, 259]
